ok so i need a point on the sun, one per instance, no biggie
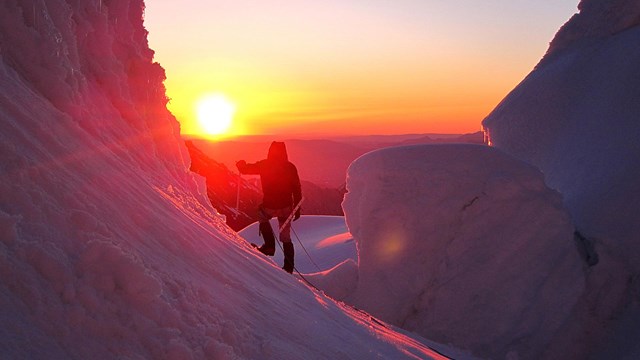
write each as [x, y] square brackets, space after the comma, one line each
[215, 114]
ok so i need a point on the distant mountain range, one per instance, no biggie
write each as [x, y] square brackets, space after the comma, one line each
[322, 166]
[323, 162]
[240, 208]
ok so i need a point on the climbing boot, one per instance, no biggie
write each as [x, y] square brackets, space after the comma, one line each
[288, 257]
[269, 247]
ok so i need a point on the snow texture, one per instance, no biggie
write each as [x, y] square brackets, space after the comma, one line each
[575, 117]
[462, 244]
[596, 20]
[326, 260]
[109, 248]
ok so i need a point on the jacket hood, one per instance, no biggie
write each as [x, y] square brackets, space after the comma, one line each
[278, 151]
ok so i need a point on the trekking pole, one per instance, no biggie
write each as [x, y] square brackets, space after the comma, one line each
[238, 194]
[293, 212]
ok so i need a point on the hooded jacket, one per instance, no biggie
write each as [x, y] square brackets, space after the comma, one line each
[279, 178]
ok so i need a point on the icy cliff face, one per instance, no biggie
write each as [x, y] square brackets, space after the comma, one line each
[596, 20]
[108, 246]
[90, 62]
[575, 117]
[464, 245]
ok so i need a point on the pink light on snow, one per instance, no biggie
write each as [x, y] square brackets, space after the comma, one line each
[335, 240]
[410, 346]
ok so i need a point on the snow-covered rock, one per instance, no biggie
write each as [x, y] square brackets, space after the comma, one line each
[464, 245]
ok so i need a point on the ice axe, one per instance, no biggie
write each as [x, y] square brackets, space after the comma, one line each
[296, 208]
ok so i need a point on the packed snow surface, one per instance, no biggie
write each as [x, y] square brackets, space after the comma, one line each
[109, 248]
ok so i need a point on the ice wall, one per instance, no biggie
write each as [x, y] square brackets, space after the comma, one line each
[464, 245]
[596, 20]
[90, 62]
[575, 117]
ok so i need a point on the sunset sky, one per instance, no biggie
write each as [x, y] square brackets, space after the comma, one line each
[344, 67]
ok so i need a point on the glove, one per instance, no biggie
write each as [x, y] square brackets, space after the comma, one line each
[241, 164]
[297, 215]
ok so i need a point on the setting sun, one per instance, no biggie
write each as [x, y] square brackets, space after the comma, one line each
[215, 114]
[346, 67]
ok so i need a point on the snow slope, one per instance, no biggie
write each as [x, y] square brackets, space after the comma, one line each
[460, 243]
[325, 253]
[109, 248]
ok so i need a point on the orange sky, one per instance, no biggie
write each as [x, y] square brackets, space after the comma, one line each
[341, 67]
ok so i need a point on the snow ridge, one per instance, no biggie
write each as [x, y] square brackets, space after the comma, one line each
[575, 117]
[596, 20]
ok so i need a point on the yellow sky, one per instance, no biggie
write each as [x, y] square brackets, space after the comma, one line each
[349, 66]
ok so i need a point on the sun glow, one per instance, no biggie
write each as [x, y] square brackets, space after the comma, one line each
[215, 114]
